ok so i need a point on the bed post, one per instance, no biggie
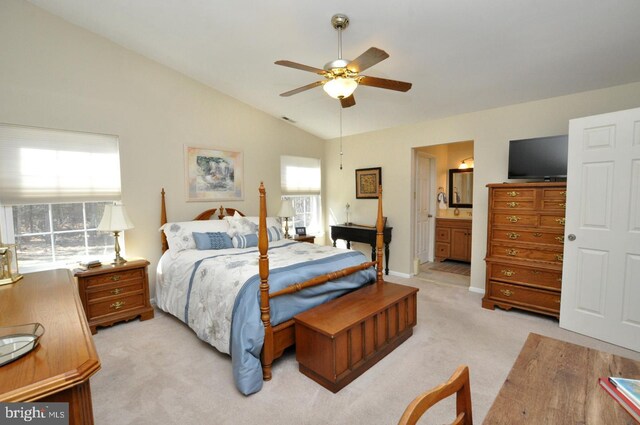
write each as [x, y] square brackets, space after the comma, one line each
[263, 263]
[379, 237]
[163, 221]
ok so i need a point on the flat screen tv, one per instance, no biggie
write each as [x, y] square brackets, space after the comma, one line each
[540, 158]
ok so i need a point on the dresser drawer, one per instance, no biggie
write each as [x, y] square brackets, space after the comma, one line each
[528, 236]
[526, 275]
[527, 297]
[116, 304]
[552, 221]
[555, 193]
[115, 276]
[514, 193]
[525, 253]
[554, 204]
[510, 204]
[515, 219]
[114, 289]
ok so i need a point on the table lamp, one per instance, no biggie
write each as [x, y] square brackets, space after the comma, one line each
[115, 219]
[286, 211]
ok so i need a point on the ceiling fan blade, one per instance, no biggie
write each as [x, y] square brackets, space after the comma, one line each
[348, 102]
[367, 59]
[383, 83]
[300, 66]
[301, 89]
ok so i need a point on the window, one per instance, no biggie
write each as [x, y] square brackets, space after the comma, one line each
[53, 188]
[300, 180]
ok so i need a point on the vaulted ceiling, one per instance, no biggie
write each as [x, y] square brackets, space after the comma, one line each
[461, 56]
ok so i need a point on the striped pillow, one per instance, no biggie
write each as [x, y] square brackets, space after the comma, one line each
[245, 241]
[275, 233]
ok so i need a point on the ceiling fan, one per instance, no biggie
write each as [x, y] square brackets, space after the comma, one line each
[342, 77]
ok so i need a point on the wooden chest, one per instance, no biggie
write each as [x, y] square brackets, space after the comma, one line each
[338, 341]
[525, 246]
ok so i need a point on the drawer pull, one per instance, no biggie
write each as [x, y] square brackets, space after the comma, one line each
[556, 301]
[506, 292]
[560, 239]
[117, 305]
[116, 291]
[507, 272]
[559, 257]
[537, 235]
[511, 252]
[115, 277]
[512, 204]
[563, 193]
[559, 279]
[562, 205]
[560, 221]
[513, 235]
[535, 271]
[513, 218]
[513, 193]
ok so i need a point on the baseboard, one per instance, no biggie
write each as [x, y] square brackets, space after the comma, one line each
[476, 290]
[398, 274]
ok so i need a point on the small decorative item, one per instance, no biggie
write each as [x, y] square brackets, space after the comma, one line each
[368, 180]
[301, 231]
[346, 208]
[16, 341]
[213, 174]
[8, 264]
[456, 212]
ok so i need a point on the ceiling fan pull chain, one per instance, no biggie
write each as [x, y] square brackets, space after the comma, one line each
[340, 137]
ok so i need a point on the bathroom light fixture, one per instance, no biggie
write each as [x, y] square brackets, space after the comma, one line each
[463, 165]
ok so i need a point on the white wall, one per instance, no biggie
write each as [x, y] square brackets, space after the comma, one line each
[490, 130]
[57, 75]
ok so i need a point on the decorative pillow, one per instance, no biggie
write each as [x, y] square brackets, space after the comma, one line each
[180, 234]
[271, 221]
[275, 233]
[240, 226]
[212, 240]
[245, 241]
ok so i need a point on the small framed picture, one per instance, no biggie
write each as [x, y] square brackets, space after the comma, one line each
[301, 231]
[368, 180]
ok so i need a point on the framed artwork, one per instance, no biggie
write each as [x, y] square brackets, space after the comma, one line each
[367, 182]
[301, 231]
[213, 174]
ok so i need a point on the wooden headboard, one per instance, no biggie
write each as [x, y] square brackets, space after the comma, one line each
[205, 215]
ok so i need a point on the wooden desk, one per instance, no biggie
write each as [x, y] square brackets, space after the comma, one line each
[555, 382]
[58, 370]
[354, 233]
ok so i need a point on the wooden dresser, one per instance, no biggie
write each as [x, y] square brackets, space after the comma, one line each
[113, 293]
[59, 368]
[524, 246]
[453, 239]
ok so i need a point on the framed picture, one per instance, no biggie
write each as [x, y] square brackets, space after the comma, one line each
[213, 174]
[301, 231]
[367, 182]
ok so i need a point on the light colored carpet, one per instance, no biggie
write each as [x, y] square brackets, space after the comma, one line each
[158, 372]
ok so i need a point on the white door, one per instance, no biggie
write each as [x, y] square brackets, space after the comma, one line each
[423, 206]
[601, 273]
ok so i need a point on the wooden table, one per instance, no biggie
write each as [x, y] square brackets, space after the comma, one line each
[364, 234]
[555, 382]
[58, 370]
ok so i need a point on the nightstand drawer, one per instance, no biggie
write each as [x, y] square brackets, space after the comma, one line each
[115, 305]
[114, 276]
[115, 289]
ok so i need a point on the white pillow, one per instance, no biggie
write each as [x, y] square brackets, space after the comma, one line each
[271, 221]
[240, 226]
[180, 235]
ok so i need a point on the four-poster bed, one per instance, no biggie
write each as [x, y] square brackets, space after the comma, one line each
[286, 289]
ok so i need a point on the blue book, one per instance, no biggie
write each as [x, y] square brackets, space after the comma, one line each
[628, 387]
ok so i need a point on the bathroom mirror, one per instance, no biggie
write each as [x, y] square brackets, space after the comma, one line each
[461, 188]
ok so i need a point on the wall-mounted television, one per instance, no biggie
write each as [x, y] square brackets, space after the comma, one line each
[540, 158]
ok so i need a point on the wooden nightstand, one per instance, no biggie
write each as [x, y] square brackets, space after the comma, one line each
[113, 293]
[305, 238]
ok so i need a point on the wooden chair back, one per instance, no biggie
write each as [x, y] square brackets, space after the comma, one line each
[458, 384]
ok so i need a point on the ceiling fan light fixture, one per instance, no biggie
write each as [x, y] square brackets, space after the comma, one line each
[340, 87]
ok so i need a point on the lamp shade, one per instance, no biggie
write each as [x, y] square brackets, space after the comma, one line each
[286, 209]
[340, 87]
[115, 218]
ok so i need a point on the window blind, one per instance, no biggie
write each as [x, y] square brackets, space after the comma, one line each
[300, 175]
[40, 165]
